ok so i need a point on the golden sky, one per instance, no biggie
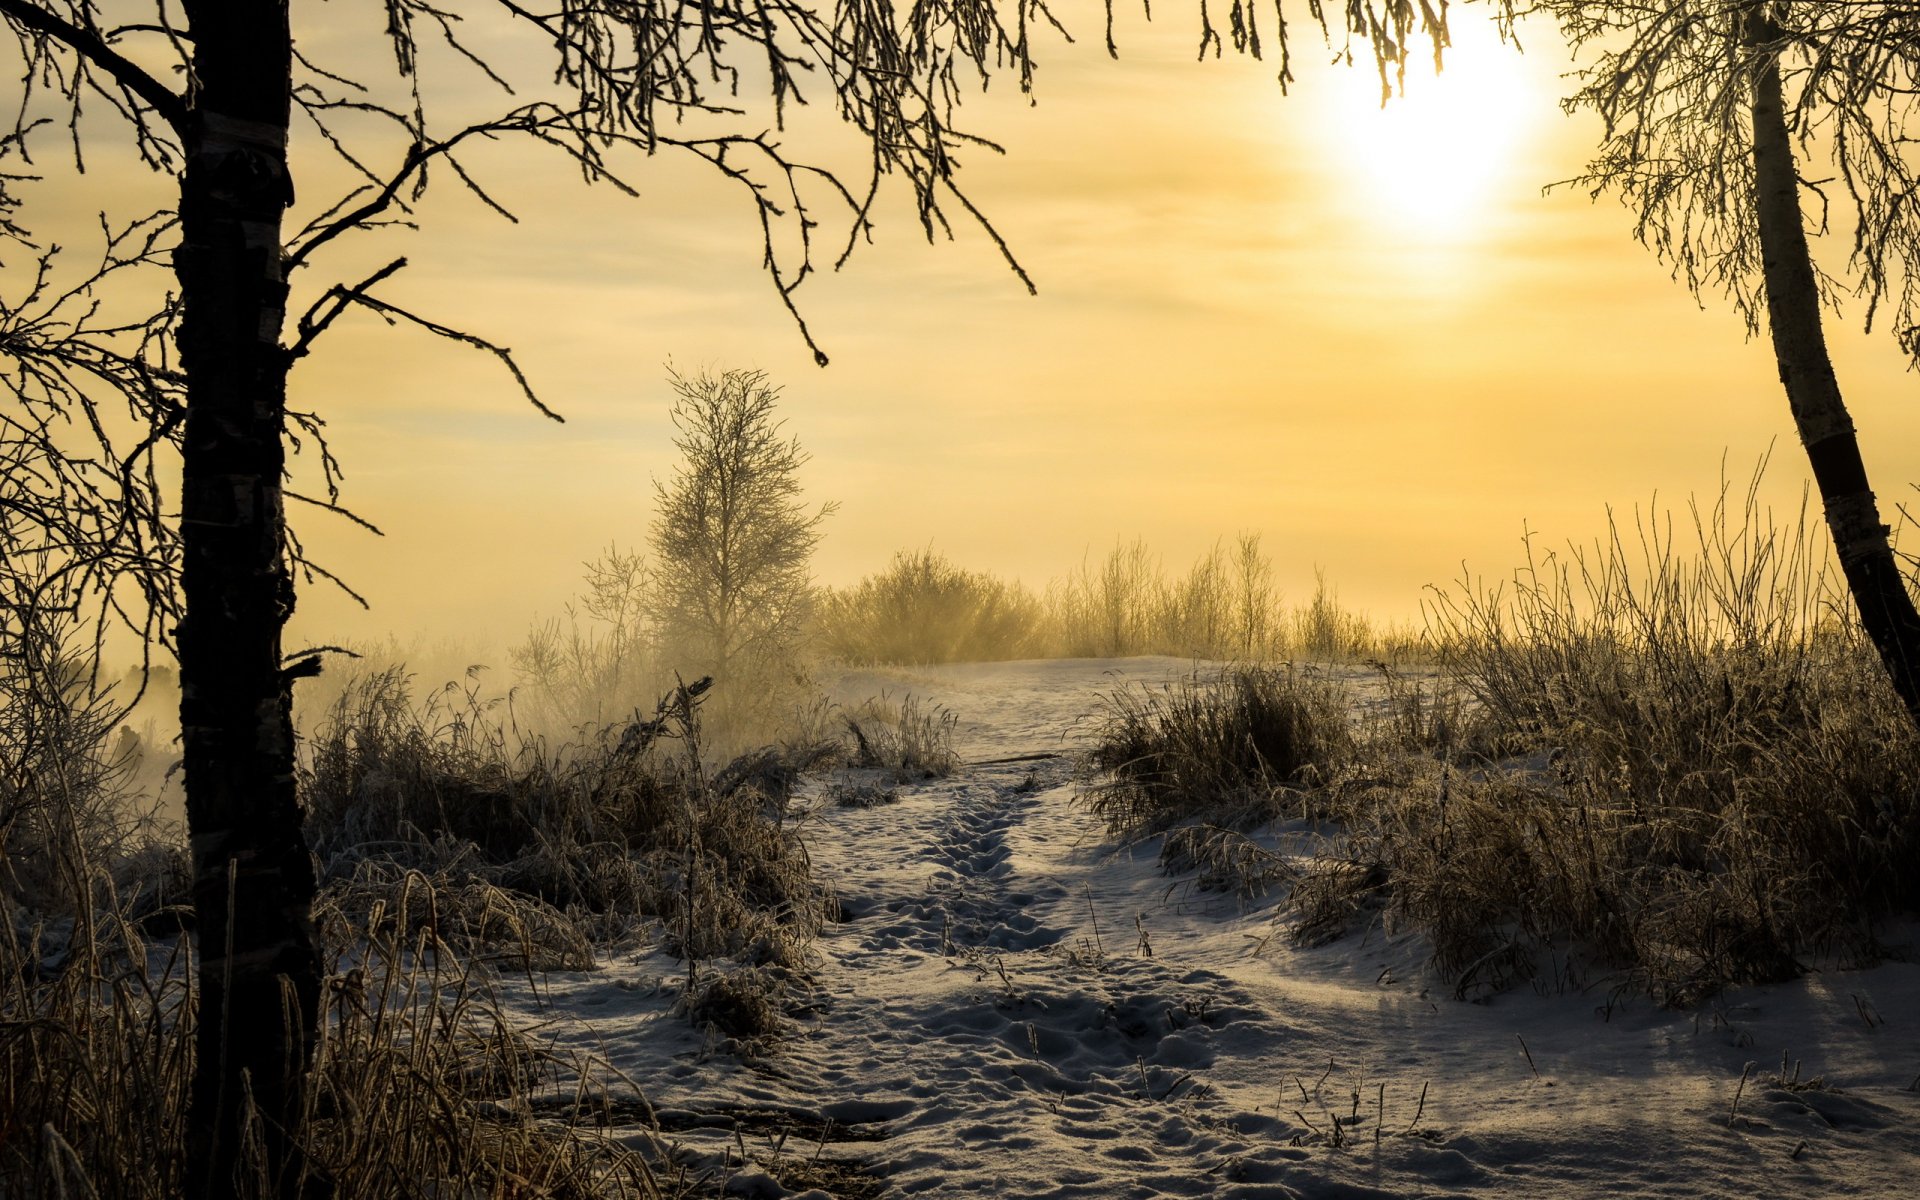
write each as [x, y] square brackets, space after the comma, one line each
[1364, 334]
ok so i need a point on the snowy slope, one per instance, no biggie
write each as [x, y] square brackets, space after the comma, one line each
[1015, 1007]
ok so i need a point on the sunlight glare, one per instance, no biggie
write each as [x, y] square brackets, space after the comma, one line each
[1437, 163]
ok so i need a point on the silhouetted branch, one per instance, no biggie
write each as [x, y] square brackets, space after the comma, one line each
[334, 301]
[89, 45]
[415, 163]
[336, 510]
[344, 296]
[78, 482]
[623, 81]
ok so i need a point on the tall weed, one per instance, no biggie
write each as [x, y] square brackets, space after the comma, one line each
[907, 739]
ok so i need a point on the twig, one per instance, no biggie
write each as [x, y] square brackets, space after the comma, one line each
[1323, 1075]
[1095, 918]
[88, 44]
[1735, 1106]
[1529, 1054]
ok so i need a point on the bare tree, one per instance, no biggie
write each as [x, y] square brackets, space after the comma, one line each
[1715, 113]
[1253, 599]
[732, 540]
[227, 288]
[594, 662]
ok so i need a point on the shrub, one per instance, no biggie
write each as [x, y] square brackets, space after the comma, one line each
[1110, 609]
[599, 660]
[1225, 607]
[1327, 632]
[742, 1004]
[923, 609]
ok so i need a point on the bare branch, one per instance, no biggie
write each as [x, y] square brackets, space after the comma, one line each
[339, 297]
[89, 45]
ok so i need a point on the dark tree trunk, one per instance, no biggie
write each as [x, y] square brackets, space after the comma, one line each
[259, 965]
[1799, 343]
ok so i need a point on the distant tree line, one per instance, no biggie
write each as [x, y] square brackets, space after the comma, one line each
[924, 609]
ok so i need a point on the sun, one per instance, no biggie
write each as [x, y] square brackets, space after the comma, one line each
[1434, 164]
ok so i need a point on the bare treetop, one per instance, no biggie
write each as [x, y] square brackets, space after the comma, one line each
[1672, 82]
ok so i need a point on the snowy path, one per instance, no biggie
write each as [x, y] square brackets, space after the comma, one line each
[1014, 1008]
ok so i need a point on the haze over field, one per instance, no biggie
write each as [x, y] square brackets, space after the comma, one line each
[1007, 761]
[1364, 334]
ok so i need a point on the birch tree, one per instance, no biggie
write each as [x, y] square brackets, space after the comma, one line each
[1739, 132]
[732, 540]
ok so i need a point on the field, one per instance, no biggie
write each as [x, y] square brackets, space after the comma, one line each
[1600, 884]
[1014, 1004]
[970, 965]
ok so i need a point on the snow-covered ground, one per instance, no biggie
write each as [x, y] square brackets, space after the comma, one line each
[1015, 1007]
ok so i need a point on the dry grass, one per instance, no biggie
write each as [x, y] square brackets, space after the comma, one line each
[418, 1086]
[906, 740]
[1232, 749]
[1671, 758]
[860, 793]
[1225, 859]
[741, 1005]
[421, 1085]
[1703, 776]
[523, 837]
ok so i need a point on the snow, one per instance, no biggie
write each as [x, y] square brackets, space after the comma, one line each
[1014, 1006]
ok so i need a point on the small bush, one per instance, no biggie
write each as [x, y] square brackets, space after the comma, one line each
[71, 821]
[1234, 745]
[907, 740]
[861, 794]
[742, 1004]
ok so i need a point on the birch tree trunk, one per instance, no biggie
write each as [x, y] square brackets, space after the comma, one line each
[259, 965]
[1806, 371]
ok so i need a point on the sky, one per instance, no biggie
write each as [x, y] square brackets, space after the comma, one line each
[1365, 334]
